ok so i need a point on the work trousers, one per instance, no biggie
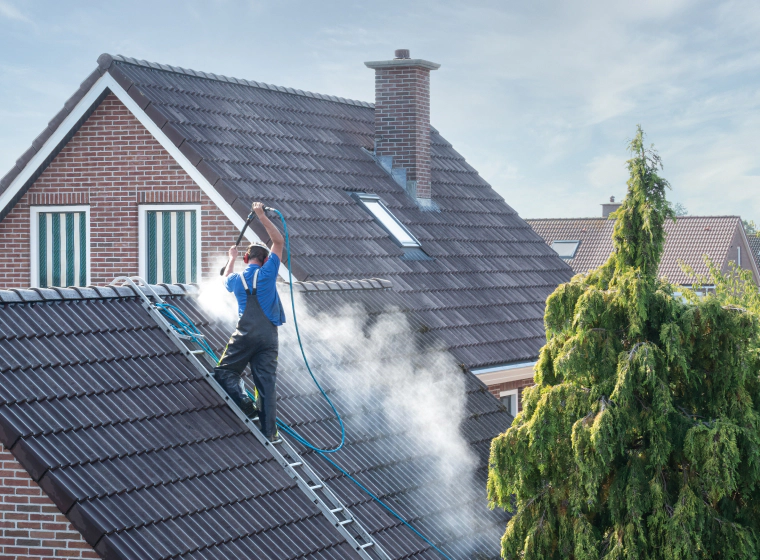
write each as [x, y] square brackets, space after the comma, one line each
[254, 343]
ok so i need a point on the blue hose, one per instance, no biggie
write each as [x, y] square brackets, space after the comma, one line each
[280, 424]
[181, 323]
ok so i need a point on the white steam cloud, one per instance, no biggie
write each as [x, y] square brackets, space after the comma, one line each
[216, 301]
[421, 394]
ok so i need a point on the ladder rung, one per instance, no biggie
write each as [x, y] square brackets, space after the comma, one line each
[316, 487]
[336, 510]
[345, 522]
[296, 464]
[197, 351]
[367, 545]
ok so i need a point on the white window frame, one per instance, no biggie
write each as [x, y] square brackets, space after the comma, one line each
[362, 197]
[516, 400]
[34, 241]
[142, 234]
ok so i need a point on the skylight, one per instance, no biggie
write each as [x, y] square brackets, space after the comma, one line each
[565, 249]
[388, 221]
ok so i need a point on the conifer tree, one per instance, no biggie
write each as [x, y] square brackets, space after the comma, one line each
[641, 437]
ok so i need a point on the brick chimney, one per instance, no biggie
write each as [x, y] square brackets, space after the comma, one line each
[402, 120]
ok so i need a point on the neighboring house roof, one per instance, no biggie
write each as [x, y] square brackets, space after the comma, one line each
[147, 461]
[754, 245]
[483, 293]
[687, 240]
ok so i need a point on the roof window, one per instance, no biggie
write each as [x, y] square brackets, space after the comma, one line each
[566, 249]
[388, 221]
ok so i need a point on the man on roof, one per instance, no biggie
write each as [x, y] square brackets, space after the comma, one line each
[255, 340]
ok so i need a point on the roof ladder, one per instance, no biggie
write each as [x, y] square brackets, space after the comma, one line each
[283, 452]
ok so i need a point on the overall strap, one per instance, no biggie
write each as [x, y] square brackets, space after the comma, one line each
[255, 281]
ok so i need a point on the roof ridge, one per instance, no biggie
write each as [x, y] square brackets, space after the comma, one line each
[342, 285]
[105, 60]
[567, 219]
[712, 216]
[33, 295]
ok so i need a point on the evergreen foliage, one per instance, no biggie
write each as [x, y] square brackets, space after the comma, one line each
[735, 287]
[641, 437]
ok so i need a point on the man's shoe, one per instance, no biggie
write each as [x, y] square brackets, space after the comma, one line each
[231, 382]
[275, 438]
[249, 408]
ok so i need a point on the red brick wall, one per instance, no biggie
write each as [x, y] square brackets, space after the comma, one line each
[402, 119]
[520, 384]
[113, 163]
[31, 526]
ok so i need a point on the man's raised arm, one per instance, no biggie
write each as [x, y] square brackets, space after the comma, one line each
[278, 241]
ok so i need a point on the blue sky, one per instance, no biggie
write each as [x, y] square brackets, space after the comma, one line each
[541, 97]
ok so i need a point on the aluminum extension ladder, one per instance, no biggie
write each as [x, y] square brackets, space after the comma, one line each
[283, 452]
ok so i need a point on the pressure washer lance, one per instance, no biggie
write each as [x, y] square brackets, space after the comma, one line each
[248, 221]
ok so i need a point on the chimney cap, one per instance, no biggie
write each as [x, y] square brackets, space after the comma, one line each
[402, 58]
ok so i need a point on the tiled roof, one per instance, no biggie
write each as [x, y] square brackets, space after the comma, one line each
[303, 153]
[148, 462]
[687, 240]
[754, 246]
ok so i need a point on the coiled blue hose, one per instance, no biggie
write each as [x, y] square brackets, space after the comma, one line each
[181, 323]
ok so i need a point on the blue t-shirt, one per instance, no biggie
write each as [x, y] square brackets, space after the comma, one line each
[266, 288]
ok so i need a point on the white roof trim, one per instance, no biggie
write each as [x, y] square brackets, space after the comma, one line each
[56, 138]
[106, 82]
[505, 373]
[505, 367]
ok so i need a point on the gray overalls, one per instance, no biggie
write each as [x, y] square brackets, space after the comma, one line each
[253, 343]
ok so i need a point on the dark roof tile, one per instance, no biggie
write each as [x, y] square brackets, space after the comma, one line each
[147, 461]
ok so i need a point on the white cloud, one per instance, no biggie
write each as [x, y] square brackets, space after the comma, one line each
[10, 11]
[541, 97]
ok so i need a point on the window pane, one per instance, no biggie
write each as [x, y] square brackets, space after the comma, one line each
[171, 246]
[566, 249]
[509, 402]
[62, 249]
[389, 222]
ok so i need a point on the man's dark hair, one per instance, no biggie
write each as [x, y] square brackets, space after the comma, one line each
[257, 253]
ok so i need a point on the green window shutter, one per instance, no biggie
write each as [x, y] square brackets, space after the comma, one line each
[70, 249]
[171, 246]
[168, 245]
[42, 250]
[62, 249]
[151, 238]
[193, 248]
[56, 249]
[82, 249]
[181, 276]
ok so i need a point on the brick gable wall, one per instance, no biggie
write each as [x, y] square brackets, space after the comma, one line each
[31, 526]
[520, 384]
[113, 164]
